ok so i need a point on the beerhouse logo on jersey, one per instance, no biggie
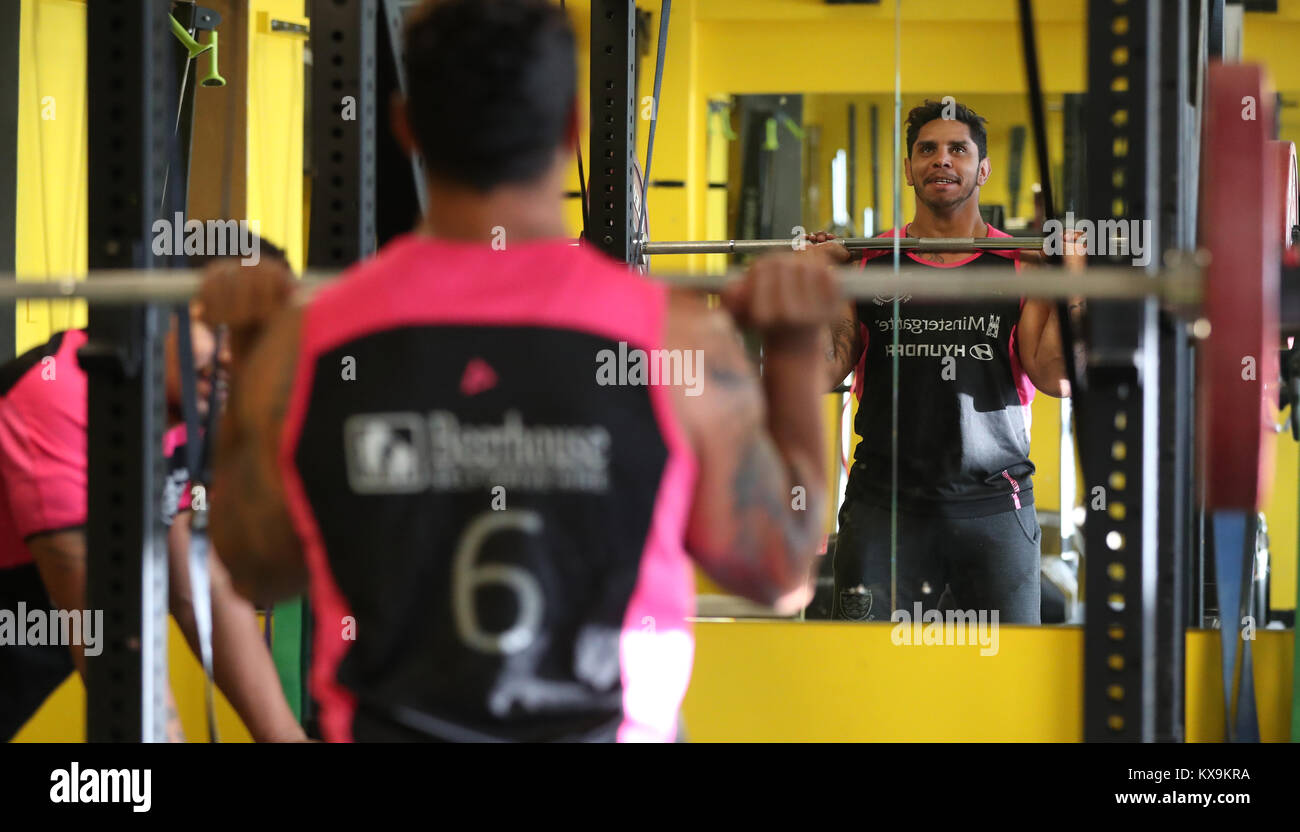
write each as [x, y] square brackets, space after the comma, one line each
[405, 453]
[214, 238]
[40, 628]
[638, 367]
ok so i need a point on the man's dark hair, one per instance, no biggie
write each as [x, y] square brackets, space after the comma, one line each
[491, 85]
[929, 110]
[266, 250]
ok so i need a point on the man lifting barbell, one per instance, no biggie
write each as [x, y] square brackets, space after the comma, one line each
[493, 532]
[967, 536]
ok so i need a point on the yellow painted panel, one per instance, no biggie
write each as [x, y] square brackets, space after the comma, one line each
[821, 681]
[275, 130]
[63, 716]
[1273, 656]
[1281, 514]
[783, 11]
[1270, 39]
[807, 57]
[50, 228]
[818, 681]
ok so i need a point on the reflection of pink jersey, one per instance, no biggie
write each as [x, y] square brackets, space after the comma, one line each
[42, 444]
[176, 485]
[429, 379]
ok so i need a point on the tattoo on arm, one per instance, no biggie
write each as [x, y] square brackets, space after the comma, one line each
[845, 347]
[771, 538]
[844, 335]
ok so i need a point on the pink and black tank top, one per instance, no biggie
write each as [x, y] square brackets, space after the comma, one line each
[42, 445]
[963, 397]
[494, 536]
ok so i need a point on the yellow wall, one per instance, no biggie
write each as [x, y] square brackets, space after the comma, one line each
[275, 129]
[63, 716]
[51, 223]
[1271, 39]
[821, 681]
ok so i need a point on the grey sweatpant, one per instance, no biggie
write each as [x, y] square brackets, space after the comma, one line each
[975, 563]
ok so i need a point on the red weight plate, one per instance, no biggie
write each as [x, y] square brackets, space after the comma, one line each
[1242, 233]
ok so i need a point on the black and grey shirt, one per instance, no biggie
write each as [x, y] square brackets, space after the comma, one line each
[963, 398]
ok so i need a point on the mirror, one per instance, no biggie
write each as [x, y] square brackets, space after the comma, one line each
[979, 451]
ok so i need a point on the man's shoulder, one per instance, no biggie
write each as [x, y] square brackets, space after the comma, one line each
[48, 372]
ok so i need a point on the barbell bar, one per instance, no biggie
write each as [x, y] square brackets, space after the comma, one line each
[1179, 286]
[921, 244]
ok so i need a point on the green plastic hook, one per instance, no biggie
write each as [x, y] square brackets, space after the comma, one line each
[213, 78]
[195, 49]
[187, 40]
[770, 140]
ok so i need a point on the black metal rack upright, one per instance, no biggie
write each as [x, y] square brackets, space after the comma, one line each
[1181, 64]
[613, 126]
[1118, 412]
[11, 23]
[130, 100]
[344, 116]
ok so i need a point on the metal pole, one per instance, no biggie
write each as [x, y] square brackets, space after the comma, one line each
[851, 243]
[613, 127]
[1179, 286]
[129, 107]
